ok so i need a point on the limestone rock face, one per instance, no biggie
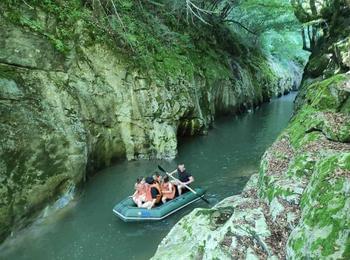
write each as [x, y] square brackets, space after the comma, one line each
[297, 207]
[239, 227]
[63, 114]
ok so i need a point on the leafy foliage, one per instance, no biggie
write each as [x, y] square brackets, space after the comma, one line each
[168, 37]
[66, 13]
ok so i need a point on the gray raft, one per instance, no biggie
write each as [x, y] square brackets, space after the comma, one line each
[127, 210]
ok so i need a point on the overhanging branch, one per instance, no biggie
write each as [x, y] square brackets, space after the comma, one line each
[240, 24]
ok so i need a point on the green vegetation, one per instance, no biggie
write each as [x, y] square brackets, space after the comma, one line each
[60, 30]
[298, 244]
[325, 202]
[157, 37]
[302, 165]
[328, 94]
[274, 27]
[147, 35]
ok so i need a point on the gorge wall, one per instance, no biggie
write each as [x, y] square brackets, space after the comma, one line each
[297, 206]
[75, 95]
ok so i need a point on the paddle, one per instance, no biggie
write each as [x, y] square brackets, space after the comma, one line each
[188, 187]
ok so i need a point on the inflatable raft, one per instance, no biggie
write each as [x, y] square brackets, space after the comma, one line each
[127, 210]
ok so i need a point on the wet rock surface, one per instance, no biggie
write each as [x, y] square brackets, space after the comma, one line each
[297, 206]
[64, 114]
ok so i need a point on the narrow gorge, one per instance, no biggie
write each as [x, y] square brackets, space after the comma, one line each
[88, 84]
[297, 206]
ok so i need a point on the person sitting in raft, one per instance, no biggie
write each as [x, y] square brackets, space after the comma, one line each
[168, 189]
[184, 177]
[153, 194]
[157, 177]
[139, 195]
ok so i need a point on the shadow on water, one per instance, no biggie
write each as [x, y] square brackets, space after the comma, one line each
[221, 162]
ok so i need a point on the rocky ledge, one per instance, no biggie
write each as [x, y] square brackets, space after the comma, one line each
[297, 206]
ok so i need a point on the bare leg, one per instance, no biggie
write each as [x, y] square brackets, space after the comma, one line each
[146, 204]
[139, 203]
[179, 189]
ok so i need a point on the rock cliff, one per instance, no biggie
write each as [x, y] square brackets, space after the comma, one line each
[297, 206]
[74, 96]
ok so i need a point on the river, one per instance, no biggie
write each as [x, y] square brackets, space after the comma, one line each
[221, 162]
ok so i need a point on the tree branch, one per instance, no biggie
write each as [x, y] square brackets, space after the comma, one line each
[244, 27]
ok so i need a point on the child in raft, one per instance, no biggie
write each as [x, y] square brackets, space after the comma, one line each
[158, 178]
[168, 189]
[153, 193]
[139, 196]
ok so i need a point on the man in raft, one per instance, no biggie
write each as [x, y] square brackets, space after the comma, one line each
[184, 177]
[153, 193]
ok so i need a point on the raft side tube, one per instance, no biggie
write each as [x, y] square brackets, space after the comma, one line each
[127, 211]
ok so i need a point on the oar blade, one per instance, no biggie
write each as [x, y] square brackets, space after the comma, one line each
[160, 168]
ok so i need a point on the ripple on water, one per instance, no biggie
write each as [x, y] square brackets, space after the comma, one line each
[221, 162]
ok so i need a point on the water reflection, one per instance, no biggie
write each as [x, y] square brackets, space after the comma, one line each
[221, 162]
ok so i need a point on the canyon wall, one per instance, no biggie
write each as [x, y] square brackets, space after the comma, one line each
[74, 99]
[297, 206]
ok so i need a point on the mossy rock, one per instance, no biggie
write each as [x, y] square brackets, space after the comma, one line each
[317, 65]
[346, 107]
[302, 166]
[329, 93]
[324, 228]
[304, 120]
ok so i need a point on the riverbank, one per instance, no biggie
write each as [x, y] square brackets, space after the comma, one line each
[297, 207]
[88, 229]
[79, 91]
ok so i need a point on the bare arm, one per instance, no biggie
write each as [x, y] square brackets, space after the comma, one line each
[191, 179]
[169, 189]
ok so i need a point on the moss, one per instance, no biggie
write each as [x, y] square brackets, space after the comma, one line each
[205, 212]
[311, 137]
[345, 108]
[159, 45]
[324, 203]
[327, 94]
[298, 244]
[263, 75]
[66, 15]
[328, 245]
[302, 165]
[346, 253]
[187, 227]
[305, 119]
[317, 65]
[201, 250]
[272, 191]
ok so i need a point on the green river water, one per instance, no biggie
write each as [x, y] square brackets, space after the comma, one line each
[221, 162]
